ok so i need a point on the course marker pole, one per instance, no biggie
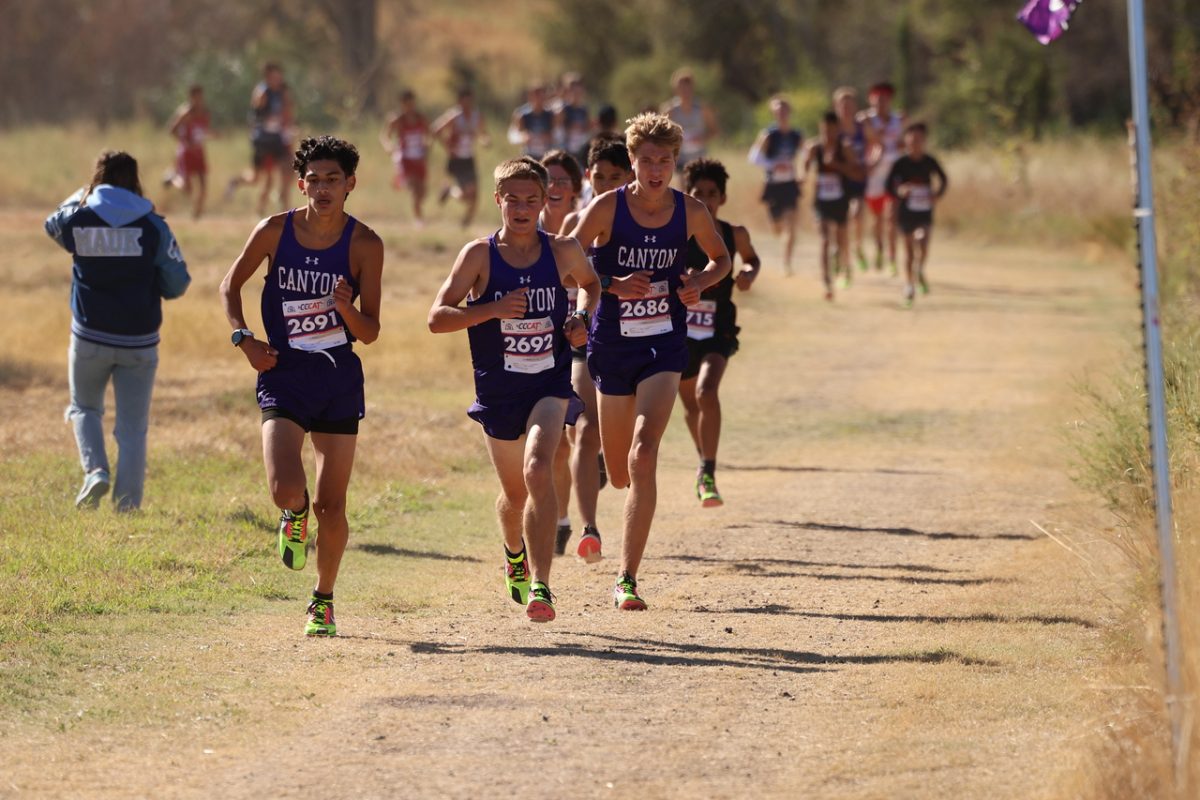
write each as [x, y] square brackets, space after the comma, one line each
[1155, 384]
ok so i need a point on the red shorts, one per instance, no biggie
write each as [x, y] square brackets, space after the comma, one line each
[877, 203]
[190, 161]
[413, 169]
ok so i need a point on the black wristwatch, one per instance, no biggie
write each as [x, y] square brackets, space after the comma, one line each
[605, 282]
[240, 334]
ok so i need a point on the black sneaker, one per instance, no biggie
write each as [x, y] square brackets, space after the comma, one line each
[561, 539]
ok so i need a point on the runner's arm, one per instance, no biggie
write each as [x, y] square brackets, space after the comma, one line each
[711, 129]
[751, 263]
[943, 181]
[574, 266]
[440, 125]
[893, 184]
[177, 120]
[594, 226]
[701, 226]
[469, 272]
[756, 156]
[259, 248]
[366, 251]
[385, 134]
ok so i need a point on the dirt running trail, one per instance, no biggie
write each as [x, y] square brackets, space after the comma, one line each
[872, 614]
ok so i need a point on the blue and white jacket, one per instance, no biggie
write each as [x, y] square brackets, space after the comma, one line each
[126, 262]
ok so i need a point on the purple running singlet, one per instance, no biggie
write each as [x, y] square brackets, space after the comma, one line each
[317, 378]
[634, 339]
[518, 362]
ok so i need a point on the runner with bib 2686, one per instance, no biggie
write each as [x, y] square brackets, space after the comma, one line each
[638, 343]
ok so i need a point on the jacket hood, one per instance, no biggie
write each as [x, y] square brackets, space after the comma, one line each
[117, 206]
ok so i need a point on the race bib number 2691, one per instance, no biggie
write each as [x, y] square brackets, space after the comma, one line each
[313, 324]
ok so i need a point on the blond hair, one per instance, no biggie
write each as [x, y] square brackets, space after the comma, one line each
[650, 126]
[844, 91]
[523, 168]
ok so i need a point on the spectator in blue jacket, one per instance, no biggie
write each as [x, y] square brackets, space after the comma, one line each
[125, 262]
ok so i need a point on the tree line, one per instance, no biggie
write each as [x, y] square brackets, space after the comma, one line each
[967, 67]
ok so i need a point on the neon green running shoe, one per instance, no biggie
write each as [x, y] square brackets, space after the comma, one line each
[625, 596]
[923, 285]
[320, 618]
[706, 490]
[541, 603]
[293, 537]
[516, 577]
[862, 261]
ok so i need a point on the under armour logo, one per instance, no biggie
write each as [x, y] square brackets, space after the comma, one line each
[651, 239]
[526, 279]
[311, 259]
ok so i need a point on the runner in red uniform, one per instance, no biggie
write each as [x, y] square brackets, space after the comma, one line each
[190, 127]
[406, 137]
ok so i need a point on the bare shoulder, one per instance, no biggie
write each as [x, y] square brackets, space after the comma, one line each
[474, 251]
[564, 245]
[365, 235]
[365, 241]
[692, 205]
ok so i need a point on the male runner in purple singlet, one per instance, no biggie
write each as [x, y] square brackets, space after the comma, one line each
[638, 343]
[320, 260]
[507, 291]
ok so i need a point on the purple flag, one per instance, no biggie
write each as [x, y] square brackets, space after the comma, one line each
[1047, 19]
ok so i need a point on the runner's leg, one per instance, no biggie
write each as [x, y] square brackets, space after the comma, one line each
[540, 516]
[508, 457]
[334, 461]
[585, 450]
[708, 401]
[283, 441]
[652, 407]
[691, 410]
[617, 417]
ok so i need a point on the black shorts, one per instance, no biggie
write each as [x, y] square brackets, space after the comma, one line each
[910, 221]
[463, 172]
[723, 345]
[833, 210]
[855, 189]
[269, 149]
[781, 198]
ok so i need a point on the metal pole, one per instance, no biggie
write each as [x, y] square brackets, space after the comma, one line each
[1148, 245]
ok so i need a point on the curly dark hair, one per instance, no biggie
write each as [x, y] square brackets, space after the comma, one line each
[700, 169]
[318, 148]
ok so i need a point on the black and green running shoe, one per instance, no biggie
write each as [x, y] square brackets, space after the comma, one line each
[516, 577]
[293, 537]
